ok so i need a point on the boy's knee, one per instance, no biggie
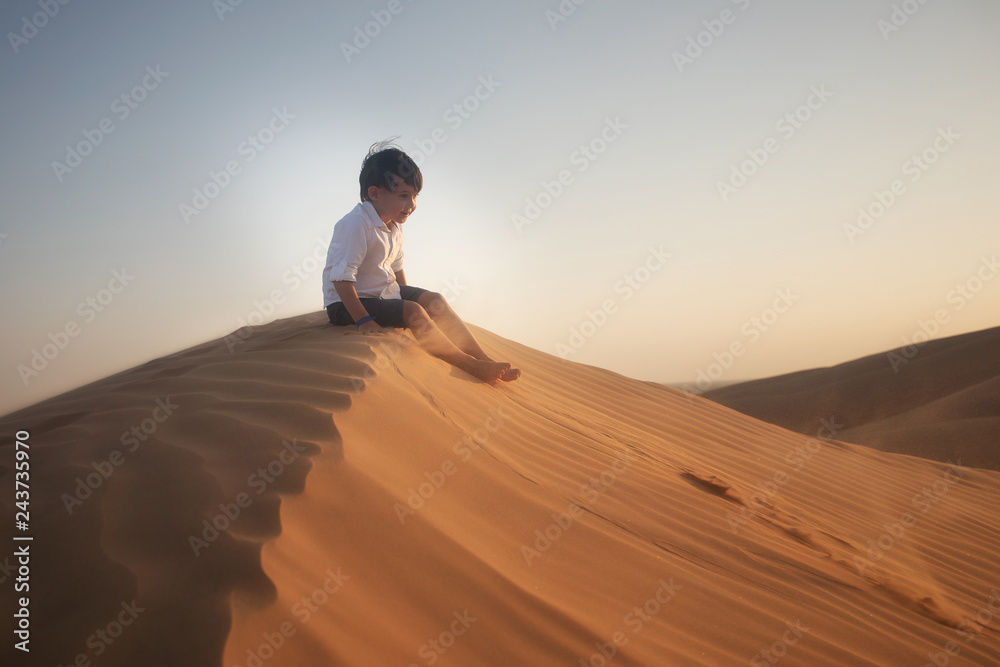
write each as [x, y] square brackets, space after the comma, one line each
[414, 314]
[434, 302]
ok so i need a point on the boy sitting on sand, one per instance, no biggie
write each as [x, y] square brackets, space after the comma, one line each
[364, 284]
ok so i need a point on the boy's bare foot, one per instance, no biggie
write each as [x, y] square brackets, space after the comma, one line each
[486, 370]
[511, 374]
[508, 375]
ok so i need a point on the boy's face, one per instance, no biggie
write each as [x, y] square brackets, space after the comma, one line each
[395, 205]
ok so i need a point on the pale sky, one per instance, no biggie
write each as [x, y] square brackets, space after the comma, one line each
[697, 168]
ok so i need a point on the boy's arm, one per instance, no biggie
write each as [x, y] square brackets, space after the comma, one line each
[400, 277]
[349, 295]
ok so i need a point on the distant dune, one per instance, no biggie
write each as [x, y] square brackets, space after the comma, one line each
[939, 400]
[319, 497]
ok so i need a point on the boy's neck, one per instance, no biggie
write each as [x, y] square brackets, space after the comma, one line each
[388, 223]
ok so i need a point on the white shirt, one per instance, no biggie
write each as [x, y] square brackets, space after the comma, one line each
[366, 252]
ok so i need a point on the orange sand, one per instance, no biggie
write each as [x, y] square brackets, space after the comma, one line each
[939, 400]
[397, 512]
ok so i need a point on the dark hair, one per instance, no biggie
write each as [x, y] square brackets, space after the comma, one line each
[385, 160]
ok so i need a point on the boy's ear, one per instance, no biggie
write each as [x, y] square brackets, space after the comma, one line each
[373, 192]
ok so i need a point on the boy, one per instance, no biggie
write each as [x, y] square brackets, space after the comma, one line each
[364, 284]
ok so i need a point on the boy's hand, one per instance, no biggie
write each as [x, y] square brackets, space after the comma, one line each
[371, 327]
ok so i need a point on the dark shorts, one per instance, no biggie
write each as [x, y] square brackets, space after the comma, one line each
[387, 312]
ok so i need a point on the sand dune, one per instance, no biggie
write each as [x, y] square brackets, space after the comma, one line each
[376, 507]
[938, 400]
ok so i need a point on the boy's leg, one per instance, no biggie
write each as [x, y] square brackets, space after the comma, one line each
[451, 324]
[455, 329]
[437, 343]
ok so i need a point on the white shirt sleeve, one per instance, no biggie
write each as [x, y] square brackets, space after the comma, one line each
[347, 249]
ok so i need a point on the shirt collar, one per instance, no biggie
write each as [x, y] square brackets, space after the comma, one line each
[372, 215]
